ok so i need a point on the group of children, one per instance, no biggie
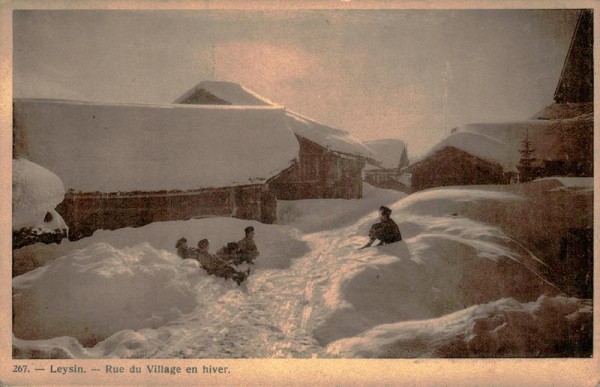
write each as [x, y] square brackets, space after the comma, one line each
[232, 261]
[235, 260]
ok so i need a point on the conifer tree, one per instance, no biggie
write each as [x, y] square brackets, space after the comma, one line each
[525, 166]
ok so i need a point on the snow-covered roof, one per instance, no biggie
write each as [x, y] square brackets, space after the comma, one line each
[484, 147]
[558, 111]
[335, 139]
[500, 142]
[233, 93]
[35, 191]
[387, 152]
[134, 147]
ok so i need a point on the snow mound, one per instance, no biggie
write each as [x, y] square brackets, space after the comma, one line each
[97, 291]
[446, 201]
[231, 92]
[557, 326]
[277, 245]
[155, 147]
[436, 269]
[35, 191]
[337, 140]
[387, 151]
[586, 183]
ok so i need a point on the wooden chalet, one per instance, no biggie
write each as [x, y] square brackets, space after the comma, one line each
[385, 168]
[561, 135]
[330, 162]
[127, 165]
[454, 167]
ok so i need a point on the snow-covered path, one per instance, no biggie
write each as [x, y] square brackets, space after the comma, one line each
[272, 315]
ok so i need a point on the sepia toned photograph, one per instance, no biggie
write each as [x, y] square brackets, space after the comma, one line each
[302, 184]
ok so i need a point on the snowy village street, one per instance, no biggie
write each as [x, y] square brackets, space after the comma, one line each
[307, 183]
[311, 285]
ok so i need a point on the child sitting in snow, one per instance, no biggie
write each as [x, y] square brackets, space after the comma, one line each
[183, 250]
[246, 247]
[216, 265]
[386, 231]
[229, 253]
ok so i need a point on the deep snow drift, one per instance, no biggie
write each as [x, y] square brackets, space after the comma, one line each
[500, 328]
[91, 293]
[453, 277]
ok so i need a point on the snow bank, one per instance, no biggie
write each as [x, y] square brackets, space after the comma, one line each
[35, 191]
[94, 292]
[505, 328]
[312, 215]
[436, 269]
[572, 182]
[387, 151]
[118, 147]
[231, 92]
[278, 245]
[337, 140]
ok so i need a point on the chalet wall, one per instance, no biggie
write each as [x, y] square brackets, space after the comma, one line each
[320, 173]
[88, 212]
[451, 166]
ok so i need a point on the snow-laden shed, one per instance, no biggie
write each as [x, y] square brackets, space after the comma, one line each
[126, 165]
[330, 161]
[561, 135]
[489, 153]
[384, 168]
[36, 192]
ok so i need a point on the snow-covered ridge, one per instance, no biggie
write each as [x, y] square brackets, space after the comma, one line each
[231, 92]
[128, 147]
[148, 105]
[335, 139]
[35, 191]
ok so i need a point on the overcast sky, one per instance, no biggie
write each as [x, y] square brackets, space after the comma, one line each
[404, 74]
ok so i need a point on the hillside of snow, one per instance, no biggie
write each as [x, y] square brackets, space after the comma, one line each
[458, 284]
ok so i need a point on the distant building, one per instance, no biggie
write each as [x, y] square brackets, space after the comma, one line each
[464, 158]
[329, 163]
[576, 84]
[127, 165]
[561, 135]
[385, 168]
